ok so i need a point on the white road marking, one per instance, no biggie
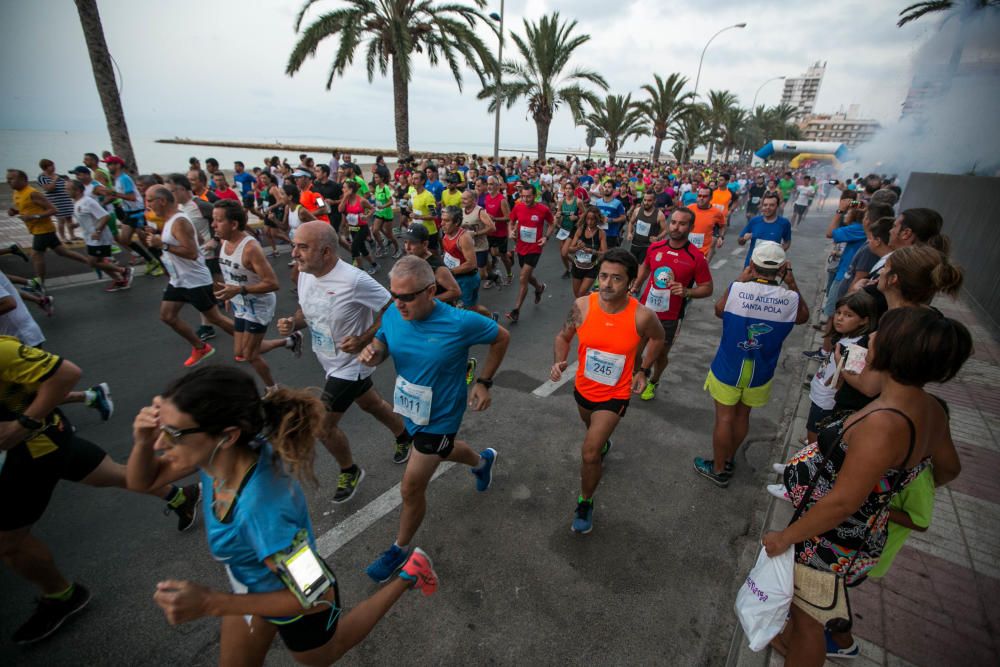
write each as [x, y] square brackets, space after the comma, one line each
[719, 263]
[549, 386]
[736, 251]
[329, 542]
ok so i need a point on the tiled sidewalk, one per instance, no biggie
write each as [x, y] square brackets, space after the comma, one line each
[938, 605]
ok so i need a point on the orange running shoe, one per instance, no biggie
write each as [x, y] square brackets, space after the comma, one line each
[197, 356]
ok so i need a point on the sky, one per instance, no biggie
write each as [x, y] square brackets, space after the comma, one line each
[216, 69]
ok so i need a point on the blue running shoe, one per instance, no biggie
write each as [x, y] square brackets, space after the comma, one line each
[583, 522]
[387, 564]
[102, 401]
[484, 474]
[706, 468]
[834, 651]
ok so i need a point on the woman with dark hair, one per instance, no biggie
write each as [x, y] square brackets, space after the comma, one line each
[842, 485]
[356, 210]
[267, 207]
[251, 453]
[587, 247]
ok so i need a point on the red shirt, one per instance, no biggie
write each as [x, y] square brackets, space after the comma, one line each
[684, 265]
[531, 226]
[228, 193]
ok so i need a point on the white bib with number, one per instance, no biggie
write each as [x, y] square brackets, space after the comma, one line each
[658, 299]
[642, 228]
[529, 234]
[698, 240]
[604, 367]
[412, 401]
[352, 219]
[322, 339]
[584, 256]
[562, 234]
[451, 261]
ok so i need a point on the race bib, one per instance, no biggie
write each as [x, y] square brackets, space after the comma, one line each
[412, 401]
[352, 219]
[584, 257]
[562, 234]
[528, 234]
[755, 200]
[658, 300]
[244, 305]
[322, 339]
[604, 367]
[642, 228]
[697, 239]
[451, 261]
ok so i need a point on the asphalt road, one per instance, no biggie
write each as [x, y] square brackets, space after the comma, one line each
[654, 583]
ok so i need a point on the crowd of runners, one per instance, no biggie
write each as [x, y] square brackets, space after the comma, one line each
[635, 242]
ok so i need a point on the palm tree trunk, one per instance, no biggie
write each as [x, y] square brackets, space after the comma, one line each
[656, 149]
[401, 109]
[711, 147]
[104, 77]
[542, 128]
[612, 152]
[726, 158]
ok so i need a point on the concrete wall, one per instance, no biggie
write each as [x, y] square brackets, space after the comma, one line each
[970, 206]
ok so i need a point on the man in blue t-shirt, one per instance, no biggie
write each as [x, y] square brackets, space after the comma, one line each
[429, 343]
[244, 181]
[613, 212]
[768, 226]
[433, 184]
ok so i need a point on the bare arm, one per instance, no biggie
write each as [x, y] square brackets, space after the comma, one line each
[39, 199]
[145, 471]
[444, 278]
[488, 226]
[50, 394]
[354, 344]
[565, 338]
[7, 304]
[469, 266]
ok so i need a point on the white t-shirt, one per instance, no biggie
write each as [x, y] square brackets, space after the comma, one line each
[339, 304]
[822, 391]
[201, 225]
[18, 322]
[806, 193]
[86, 213]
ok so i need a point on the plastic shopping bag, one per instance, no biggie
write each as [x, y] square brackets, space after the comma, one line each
[765, 597]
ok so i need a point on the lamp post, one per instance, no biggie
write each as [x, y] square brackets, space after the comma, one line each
[753, 106]
[697, 79]
[496, 126]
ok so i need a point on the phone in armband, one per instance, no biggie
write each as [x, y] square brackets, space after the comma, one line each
[304, 572]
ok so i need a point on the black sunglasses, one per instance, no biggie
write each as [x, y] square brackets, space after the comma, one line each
[407, 298]
[174, 435]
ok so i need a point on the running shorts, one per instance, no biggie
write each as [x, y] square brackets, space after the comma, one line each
[753, 397]
[310, 631]
[241, 325]
[99, 250]
[469, 284]
[580, 274]
[616, 405]
[339, 394]
[434, 443]
[531, 260]
[202, 298]
[46, 241]
[498, 242]
[670, 329]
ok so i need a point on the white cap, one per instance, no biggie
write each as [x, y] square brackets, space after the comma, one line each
[768, 255]
[300, 173]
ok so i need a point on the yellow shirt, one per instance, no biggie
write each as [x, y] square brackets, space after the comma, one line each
[26, 207]
[423, 204]
[451, 199]
[22, 369]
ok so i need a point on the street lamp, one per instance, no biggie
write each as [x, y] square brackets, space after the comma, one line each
[698, 78]
[753, 106]
[496, 127]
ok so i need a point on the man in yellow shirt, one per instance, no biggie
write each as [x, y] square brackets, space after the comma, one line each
[36, 211]
[425, 208]
[452, 196]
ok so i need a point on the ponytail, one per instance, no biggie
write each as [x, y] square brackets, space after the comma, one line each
[293, 419]
[947, 277]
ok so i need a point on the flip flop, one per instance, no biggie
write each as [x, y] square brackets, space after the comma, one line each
[538, 294]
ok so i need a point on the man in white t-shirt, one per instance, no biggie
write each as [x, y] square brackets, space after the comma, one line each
[342, 306]
[804, 194]
[93, 221]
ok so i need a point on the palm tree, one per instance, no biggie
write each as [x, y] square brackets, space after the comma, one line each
[666, 105]
[107, 87]
[546, 49]
[733, 125]
[617, 119]
[688, 133]
[719, 104]
[392, 30]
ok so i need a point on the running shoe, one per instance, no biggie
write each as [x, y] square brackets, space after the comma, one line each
[510, 278]
[730, 467]
[704, 467]
[347, 484]
[47, 305]
[187, 512]
[198, 356]
[113, 286]
[484, 473]
[16, 250]
[495, 316]
[128, 277]
[605, 449]
[470, 370]
[150, 265]
[37, 286]
[538, 293]
[487, 284]
[779, 492]
[419, 570]
[294, 343]
[379, 252]
[779, 468]
[205, 332]
[372, 269]
[834, 651]
[238, 359]
[398, 253]
[649, 392]
[514, 315]
[401, 452]
[50, 614]
[102, 401]
[386, 564]
[583, 522]
[816, 355]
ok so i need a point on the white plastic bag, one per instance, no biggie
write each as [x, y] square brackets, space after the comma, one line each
[763, 601]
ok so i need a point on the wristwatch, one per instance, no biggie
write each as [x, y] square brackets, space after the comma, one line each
[486, 382]
[647, 372]
[243, 290]
[29, 423]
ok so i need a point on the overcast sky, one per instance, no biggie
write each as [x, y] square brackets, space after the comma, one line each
[216, 69]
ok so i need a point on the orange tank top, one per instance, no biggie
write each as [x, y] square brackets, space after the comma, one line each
[606, 353]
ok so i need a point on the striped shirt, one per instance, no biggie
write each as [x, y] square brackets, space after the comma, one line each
[58, 196]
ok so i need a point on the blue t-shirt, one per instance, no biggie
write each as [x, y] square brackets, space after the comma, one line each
[734, 187]
[757, 319]
[610, 209]
[433, 353]
[779, 231]
[435, 188]
[586, 180]
[853, 236]
[245, 181]
[689, 197]
[269, 511]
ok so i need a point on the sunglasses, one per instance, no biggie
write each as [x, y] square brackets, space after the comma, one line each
[174, 435]
[407, 298]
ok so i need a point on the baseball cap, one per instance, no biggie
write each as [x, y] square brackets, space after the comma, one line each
[79, 169]
[416, 232]
[768, 255]
[113, 159]
[301, 173]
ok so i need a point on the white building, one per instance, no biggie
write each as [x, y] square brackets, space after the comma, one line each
[801, 92]
[842, 127]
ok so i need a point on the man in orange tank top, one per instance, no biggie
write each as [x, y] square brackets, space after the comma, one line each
[611, 326]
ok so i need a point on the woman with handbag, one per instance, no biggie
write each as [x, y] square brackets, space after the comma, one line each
[843, 484]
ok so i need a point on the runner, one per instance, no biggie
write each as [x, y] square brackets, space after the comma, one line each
[646, 225]
[415, 242]
[613, 213]
[570, 212]
[213, 422]
[342, 306]
[672, 273]
[131, 216]
[424, 208]
[768, 226]
[384, 218]
[459, 255]
[498, 209]
[356, 210]
[757, 315]
[190, 281]
[611, 326]
[431, 392]
[587, 247]
[93, 222]
[478, 223]
[38, 448]
[267, 207]
[709, 224]
[803, 198]
[755, 196]
[786, 185]
[531, 229]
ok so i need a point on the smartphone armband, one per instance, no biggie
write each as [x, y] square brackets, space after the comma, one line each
[303, 571]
